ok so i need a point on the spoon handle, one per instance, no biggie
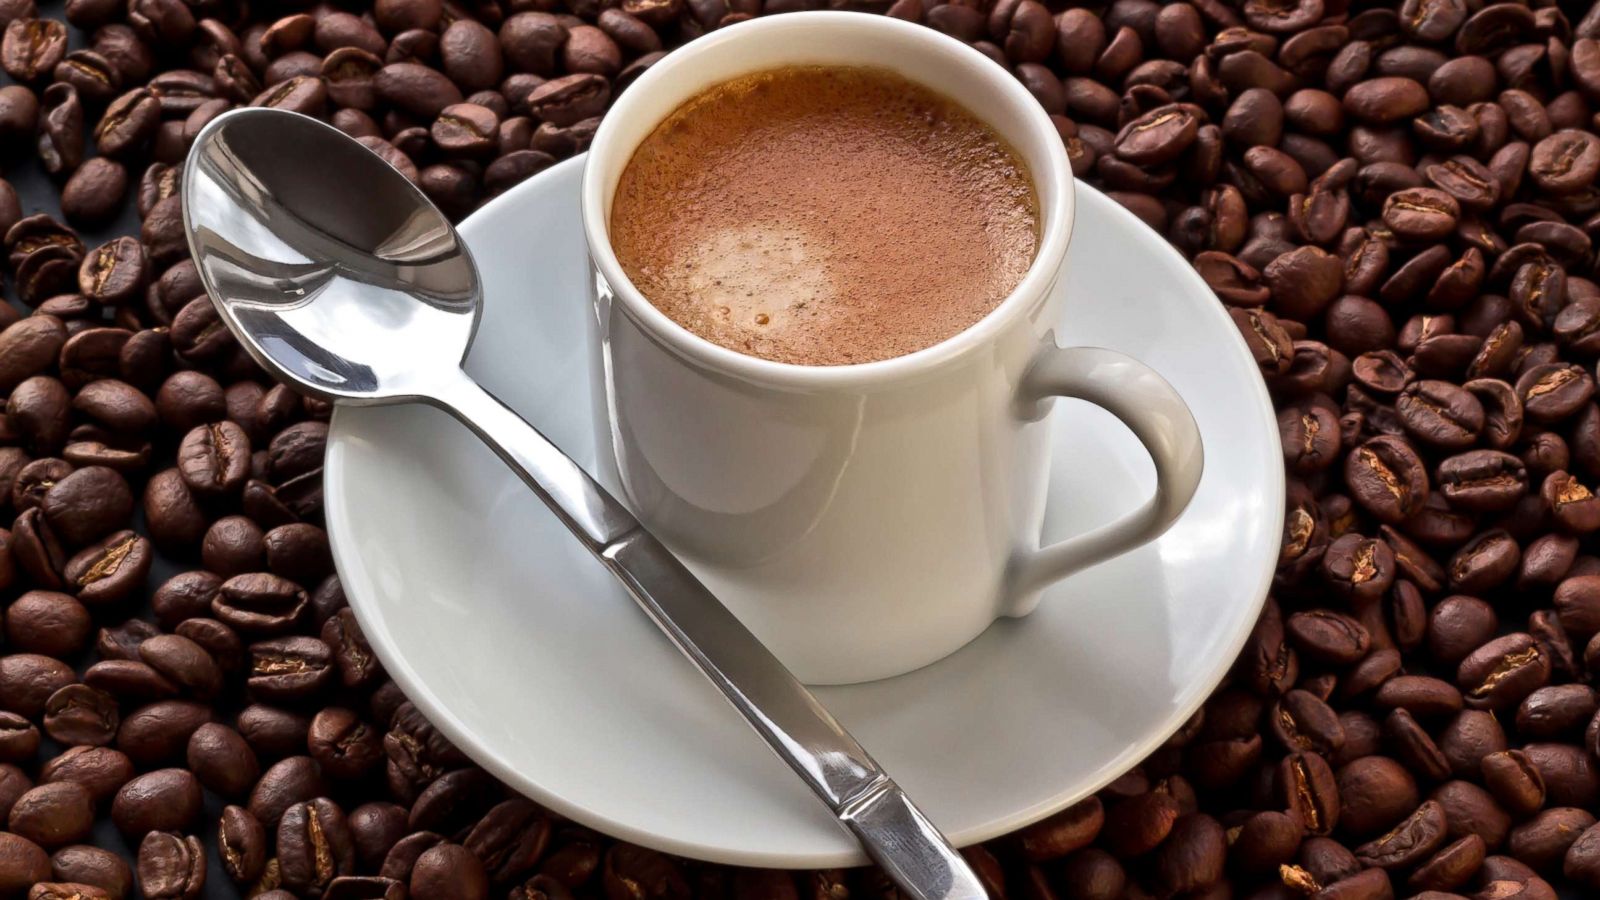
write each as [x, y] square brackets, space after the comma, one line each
[892, 831]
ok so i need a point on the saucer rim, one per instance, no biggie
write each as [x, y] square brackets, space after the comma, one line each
[337, 506]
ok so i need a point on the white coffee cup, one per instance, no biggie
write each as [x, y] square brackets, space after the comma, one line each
[864, 520]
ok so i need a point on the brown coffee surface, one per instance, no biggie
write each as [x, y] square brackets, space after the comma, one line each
[824, 216]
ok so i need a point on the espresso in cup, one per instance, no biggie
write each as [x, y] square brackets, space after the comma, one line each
[824, 215]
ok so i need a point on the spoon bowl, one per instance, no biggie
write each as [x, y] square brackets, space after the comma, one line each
[338, 276]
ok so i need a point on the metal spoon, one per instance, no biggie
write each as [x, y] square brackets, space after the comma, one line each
[342, 279]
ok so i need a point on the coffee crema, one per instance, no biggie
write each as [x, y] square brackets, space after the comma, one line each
[824, 215]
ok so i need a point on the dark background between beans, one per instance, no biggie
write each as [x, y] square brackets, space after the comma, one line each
[1396, 203]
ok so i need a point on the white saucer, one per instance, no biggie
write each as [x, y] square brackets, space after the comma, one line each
[515, 643]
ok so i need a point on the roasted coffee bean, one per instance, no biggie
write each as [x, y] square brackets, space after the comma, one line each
[53, 815]
[101, 771]
[259, 603]
[1484, 562]
[466, 129]
[184, 663]
[1413, 840]
[375, 828]
[1302, 721]
[159, 732]
[39, 410]
[1468, 738]
[1542, 842]
[1458, 625]
[113, 273]
[19, 740]
[1545, 626]
[27, 347]
[1376, 668]
[1452, 867]
[288, 669]
[91, 355]
[1139, 824]
[1414, 747]
[94, 867]
[189, 399]
[163, 800]
[122, 642]
[36, 551]
[1503, 671]
[1375, 792]
[1420, 695]
[81, 715]
[1482, 480]
[31, 48]
[49, 623]
[1362, 568]
[1328, 636]
[1537, 290]
[1440, 414]
[128, 123]
[19, 114]
[314, 846]
[109, 570]
[27, 680]
[233, 545]
[1193, 856]
[510, 839]
[1264, 842]
[217, 639]
[1387, 478]
[1573, 505]
[402, 856]
[93, 76]
[1309, 791]
[61, 129]
[87, 503]
[1566, 161]
[1469, 809]
[214, 459]
[1577, 603]
[185, 596]
[242, 845]
[1582, 861]
[1159, 136]
[272, 732]
[532, 42]
[1310, 436]
[451, 870]
[303, 94]
[343, 745]
[284, 784]
[471, 54]
[22, 864]
[171, 867]
[1052, 838]
[1553, 392]
[415, 89]
[1554, 711]
[1569, 778]
[222, 760]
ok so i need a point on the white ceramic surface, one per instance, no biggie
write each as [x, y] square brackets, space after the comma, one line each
[865, 520]
[515, 642]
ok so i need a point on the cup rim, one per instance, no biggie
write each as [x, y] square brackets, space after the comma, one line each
[1034, 286]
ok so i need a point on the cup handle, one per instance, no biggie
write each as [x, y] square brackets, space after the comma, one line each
[1152, 409]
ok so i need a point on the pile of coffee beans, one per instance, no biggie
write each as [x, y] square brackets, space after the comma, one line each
[1396, 202]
